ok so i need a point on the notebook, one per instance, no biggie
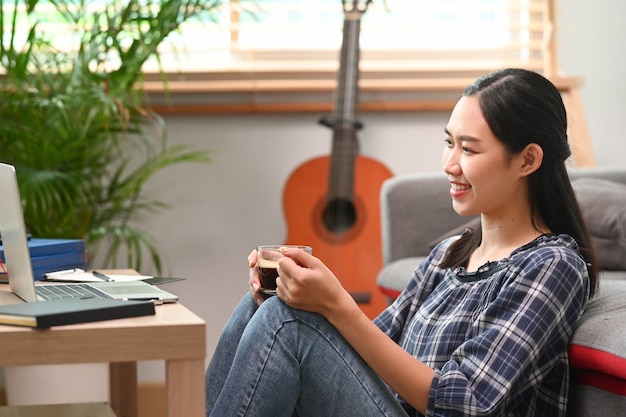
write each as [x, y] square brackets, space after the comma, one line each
[18, 264]
[72, 311]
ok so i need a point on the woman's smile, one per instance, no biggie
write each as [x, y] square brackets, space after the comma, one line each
[458, 189]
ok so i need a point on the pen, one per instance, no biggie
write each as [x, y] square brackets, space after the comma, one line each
[102, 276]
[66, 271]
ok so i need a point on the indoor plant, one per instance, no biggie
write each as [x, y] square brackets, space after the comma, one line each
[74, 123]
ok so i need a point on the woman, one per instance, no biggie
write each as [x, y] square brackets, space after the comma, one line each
[482, 327]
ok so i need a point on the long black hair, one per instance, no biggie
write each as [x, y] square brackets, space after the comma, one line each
[523, 107]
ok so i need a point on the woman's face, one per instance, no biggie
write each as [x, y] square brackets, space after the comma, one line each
[483, 179]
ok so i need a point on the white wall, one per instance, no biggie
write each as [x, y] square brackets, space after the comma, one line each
[592, 42]
[222, 210]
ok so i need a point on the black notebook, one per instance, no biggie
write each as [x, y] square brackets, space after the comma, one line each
[44, 314]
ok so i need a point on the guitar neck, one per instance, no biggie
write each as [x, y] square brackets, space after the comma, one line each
[344, 122]
[344, 111]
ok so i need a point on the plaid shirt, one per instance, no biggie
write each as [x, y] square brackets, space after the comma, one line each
[497, 338]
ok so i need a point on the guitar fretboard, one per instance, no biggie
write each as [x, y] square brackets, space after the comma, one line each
[344, 122]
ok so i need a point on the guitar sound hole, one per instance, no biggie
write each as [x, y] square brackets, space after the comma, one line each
[339, 215]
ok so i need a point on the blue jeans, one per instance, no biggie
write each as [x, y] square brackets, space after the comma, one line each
[277, 361]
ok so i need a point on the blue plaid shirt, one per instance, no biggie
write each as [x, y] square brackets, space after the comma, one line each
[497, 338]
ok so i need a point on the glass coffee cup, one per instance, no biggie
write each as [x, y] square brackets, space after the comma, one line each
[267, 264]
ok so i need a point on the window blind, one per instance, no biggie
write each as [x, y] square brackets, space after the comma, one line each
[260, 53]
[426, 38]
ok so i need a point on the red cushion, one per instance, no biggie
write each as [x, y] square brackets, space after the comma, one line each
[598, 369]
[390, 292]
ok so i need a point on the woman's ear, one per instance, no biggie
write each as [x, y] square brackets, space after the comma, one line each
[531, 158]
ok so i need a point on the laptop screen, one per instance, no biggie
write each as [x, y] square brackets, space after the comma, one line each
[17, 254]
[14, 240]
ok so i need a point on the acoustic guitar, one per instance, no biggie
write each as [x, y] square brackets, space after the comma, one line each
[332, 203]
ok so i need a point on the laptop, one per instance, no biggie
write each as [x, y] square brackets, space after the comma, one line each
[19, 268]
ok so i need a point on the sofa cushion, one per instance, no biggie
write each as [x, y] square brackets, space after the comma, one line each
[603, 204]
[586, 401]
[597, 351]
[395, 276]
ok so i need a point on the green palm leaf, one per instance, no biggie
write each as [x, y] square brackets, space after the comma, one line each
[83, 144]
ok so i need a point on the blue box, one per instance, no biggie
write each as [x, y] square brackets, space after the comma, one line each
[49, 255]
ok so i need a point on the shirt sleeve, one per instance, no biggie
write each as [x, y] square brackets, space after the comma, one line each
[517, 340]
[426, 275]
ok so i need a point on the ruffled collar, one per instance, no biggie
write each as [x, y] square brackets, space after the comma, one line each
[488, 268]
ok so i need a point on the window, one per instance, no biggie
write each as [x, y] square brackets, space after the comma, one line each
[449, 35]
[273, 49]
[263, 52]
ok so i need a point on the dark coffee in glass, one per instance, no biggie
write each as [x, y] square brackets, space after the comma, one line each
[267, 264]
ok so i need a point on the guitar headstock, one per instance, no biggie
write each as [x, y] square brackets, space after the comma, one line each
[355, 6]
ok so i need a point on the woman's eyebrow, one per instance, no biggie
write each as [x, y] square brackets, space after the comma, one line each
[464, 138]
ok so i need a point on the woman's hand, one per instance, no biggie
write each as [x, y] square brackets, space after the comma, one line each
[254, 282]
[304, 282]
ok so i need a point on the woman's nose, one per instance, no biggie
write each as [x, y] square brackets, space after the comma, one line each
[450, 162]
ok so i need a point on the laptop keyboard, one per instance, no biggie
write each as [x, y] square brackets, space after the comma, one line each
[54, 292]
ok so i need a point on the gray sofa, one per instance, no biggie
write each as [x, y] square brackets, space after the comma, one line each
[417, 212]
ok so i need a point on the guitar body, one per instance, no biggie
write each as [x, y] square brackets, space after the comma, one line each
[354, 253]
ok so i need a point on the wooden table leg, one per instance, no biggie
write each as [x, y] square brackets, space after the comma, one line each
[184, 385]
[123, 388]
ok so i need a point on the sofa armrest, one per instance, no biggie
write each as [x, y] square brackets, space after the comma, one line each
[598, 348]
[393, 277]
[597, 353]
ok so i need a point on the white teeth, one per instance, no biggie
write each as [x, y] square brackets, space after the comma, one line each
[459, 187]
